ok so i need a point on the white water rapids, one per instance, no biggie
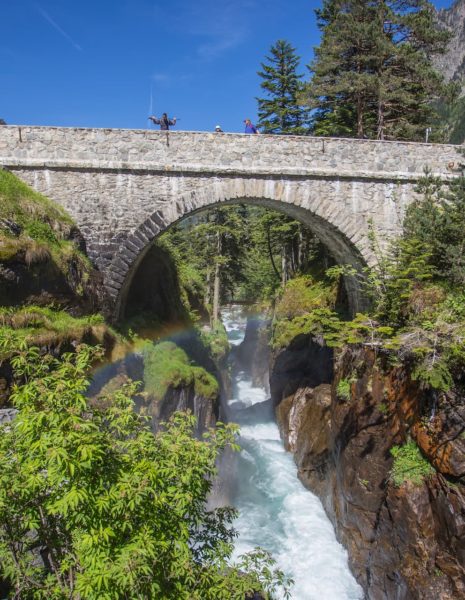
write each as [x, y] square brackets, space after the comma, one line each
[276, 512]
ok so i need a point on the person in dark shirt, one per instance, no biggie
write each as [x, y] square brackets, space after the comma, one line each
[164, 122]
[249, 127]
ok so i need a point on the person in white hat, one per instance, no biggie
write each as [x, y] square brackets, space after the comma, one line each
[218, 129]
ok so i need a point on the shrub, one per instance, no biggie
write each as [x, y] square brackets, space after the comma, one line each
[343, 389]
[409, 464]
[94, 506]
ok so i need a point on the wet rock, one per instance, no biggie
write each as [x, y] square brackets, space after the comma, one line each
[404, 542]
[181, 399]
[261, 412]
[253, 354]
[304, 421]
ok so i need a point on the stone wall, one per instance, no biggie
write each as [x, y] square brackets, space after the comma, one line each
[125, 187]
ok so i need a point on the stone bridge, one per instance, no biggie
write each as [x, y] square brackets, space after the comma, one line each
[125, 187]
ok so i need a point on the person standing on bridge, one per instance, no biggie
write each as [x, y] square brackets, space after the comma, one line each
[164, 122]
[250, 127]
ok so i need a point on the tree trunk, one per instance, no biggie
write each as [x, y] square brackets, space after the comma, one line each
[208, 289]
[270, 252]
[217, 282]
[284, 276]
[360, 114]
[380, 134]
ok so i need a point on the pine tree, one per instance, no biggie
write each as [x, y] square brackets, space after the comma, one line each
[280, 111]
[372, 73]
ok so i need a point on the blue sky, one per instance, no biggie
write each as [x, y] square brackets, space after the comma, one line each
[102, 63]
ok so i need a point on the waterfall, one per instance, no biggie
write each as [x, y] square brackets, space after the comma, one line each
[275, 511]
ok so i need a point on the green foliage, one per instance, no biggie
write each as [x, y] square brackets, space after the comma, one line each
[45, 229]
[45, 326]
[409, 464]
[343, 389]
[21, 204]
[372, 74]
[436, 220]
[451, 114]
[280, 112]
[114, 511]
[215, 338]
[305, 305]
[303, 294]
[166, 365]
[437, 375]
[255, 250]
[41, 232]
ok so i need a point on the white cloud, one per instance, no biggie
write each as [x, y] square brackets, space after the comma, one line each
[221, 24]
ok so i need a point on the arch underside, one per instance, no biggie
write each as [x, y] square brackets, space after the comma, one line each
[353, 252]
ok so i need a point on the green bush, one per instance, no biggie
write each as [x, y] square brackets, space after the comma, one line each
[409, 464]
[343, 389]
[94, 506]
[216, 340]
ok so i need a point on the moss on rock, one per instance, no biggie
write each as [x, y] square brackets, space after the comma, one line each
[166, 365]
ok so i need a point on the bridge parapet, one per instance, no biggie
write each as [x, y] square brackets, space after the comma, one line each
[195, 152]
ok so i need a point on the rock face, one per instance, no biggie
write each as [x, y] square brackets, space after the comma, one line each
[182, 399]
[405, 542]
[43, 283]
[304, 363]
[452, 63]
[155, 290]
[253, 354]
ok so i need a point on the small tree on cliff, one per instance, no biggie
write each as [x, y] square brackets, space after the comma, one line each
[94, 506]
[372, 74]
[280, 111]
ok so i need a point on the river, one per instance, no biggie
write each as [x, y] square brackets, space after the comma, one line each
[275, 511]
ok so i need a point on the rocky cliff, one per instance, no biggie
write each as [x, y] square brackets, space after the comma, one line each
[452, 63]
[402, 521]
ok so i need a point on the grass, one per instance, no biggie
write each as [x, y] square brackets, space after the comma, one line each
[409, 464]
[34, 230]
[343, 389]
[37, 215]
[39, 326]
[166, 365]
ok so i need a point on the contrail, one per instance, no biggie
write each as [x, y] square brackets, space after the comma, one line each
[55, 25]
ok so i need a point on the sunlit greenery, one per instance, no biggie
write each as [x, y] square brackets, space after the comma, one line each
[35, 230]
[94, 506]
[167, 365]
[45, 326]
[409, 464]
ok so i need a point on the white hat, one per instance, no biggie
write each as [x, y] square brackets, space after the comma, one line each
[217, 127]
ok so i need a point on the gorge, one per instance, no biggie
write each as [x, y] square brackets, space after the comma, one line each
[342, 401]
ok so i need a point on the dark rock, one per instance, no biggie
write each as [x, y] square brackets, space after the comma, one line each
[304, 363]
[11, 226]
[7, 274]
[262, 412]
[253, 354]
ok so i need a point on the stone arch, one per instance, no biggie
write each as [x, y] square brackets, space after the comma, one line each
[337, 227]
